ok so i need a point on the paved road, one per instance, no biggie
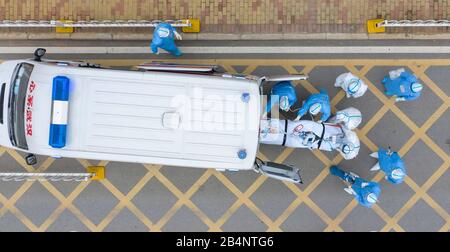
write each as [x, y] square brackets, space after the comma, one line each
[250, 49]
[137, 197]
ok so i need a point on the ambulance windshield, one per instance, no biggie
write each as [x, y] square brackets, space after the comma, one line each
[16, 106]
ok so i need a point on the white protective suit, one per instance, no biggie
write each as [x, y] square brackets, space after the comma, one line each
[311, 135]
[350, 117]
[351, 84]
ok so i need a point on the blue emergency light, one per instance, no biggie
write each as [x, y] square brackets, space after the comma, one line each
[60, 109]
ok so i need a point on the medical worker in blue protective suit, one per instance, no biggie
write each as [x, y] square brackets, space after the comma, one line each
[164, 38]
[365, 192]
[315, 104]
[402, 84]
[283, 93]
[391, 164]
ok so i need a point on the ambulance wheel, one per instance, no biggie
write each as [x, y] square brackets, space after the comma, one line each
[31, 159]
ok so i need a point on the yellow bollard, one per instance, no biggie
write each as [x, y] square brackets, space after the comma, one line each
[99, 172]
[65, 29]
[194, 28]
[372, 26]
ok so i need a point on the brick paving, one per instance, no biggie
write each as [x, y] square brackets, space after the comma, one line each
[239, 16]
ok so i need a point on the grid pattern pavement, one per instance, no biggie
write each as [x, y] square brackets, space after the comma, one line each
[239, 16]
[143, 197]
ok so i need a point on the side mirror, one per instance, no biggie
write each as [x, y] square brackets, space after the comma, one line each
[279, 171]
[39, 53]
[31, 159]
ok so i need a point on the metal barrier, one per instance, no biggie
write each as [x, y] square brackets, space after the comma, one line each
[379, 25]
[93, 173]
[414, 23]
[45, 176]
[86, 24]
[188, 25]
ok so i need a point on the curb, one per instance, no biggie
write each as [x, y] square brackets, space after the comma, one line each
[221, 36]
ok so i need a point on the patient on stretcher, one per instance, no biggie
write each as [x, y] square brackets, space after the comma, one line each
[311, 135]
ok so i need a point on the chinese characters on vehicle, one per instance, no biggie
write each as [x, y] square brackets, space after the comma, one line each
[29, 109]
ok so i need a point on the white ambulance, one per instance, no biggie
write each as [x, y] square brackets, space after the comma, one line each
[168, 114]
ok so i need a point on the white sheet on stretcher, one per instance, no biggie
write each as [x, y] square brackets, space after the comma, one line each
[272, 132]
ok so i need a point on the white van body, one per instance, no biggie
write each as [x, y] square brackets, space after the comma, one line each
[139, 116]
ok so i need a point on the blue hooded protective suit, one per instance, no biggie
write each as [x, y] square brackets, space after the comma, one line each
[282, 88]
[401, 86]
[389, 163]
[323, 99]
[164, 38]
[361, 188]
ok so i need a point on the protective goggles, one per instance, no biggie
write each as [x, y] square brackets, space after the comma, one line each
[397, 174]
[357, 84]
[348, 148]
[372, 198]
[284, 103]
[163, 32]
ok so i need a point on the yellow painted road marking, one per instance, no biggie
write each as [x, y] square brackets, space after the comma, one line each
[419, 68]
